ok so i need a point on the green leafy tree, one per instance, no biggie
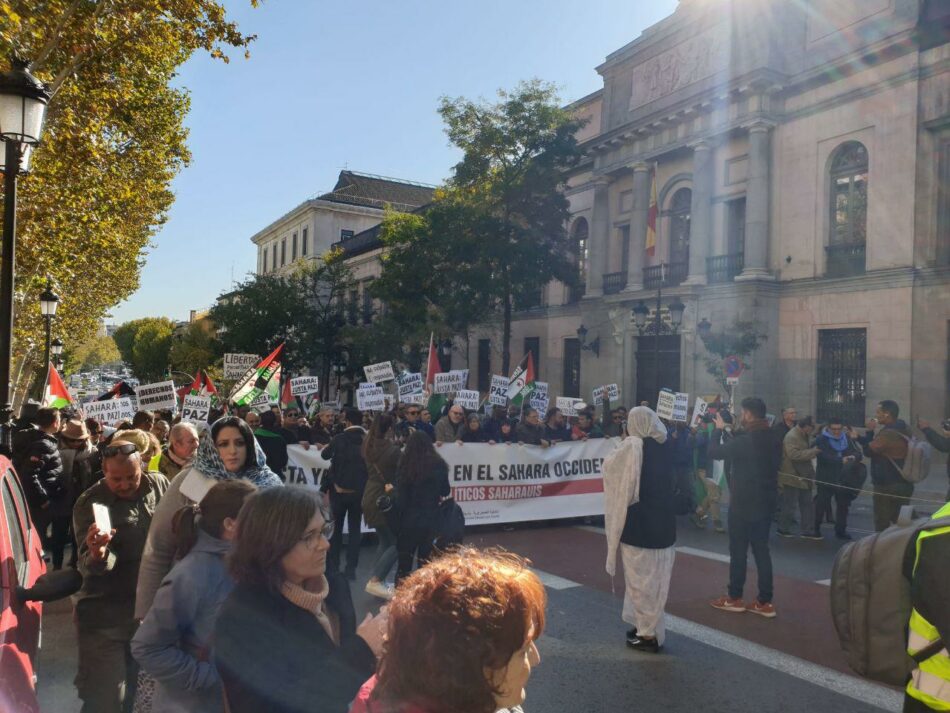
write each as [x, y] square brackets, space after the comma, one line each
[100, 182]
[741, 340]
[93, 353]
[196, 347]
[144, 345]
[496, 235]
[304, 310]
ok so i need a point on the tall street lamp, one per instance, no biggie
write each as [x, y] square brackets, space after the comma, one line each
[23, 100]
[49, 303]
[56, 349]
[640, 314]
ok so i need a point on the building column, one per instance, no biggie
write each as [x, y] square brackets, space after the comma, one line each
[756, 250]
[599, 239]
[700, 228]
[638, 226]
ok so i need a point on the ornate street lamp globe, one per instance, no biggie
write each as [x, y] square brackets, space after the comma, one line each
[23, 100]
[49, 301]
[676, 312]
[56, 347]
[703, 329]
[582, 333]
[640, 314]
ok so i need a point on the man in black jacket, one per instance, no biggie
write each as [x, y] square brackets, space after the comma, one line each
[755, 454]
[37, 461]
[345, 482]
[273, 443]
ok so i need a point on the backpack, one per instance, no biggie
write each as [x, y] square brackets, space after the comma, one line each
[870, 602]
[917, 463]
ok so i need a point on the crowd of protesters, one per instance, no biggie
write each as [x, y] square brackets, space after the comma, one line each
[215, 578]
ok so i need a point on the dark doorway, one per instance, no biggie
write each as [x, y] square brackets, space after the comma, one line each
[649, 380]
[842, 375]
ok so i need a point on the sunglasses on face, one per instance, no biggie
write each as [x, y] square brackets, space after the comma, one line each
[125, 449]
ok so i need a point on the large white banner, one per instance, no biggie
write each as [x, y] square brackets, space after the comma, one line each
[505, 482]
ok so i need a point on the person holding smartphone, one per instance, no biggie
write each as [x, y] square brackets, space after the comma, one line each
[838, 457]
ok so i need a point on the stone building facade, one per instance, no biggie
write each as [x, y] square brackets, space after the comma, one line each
[801, 163]
[357, 202]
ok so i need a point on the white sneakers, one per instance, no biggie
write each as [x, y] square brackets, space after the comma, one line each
[378, 589]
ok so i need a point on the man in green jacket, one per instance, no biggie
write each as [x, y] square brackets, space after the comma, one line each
[796, 475]
[109, 564]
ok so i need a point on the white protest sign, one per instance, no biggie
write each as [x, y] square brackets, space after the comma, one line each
[409, 383]
[541, 388]
[160, 395]
[699, 410]
[111, 410]
[613, 392]
[378, 373]
[681, 407]
[568, 405]
[467, 399]
[236, 365]
[449, 381]
[539, 402]
[498, 391]
[665, 404]
[418, 398]
[364, 385]
[610, 391]
[261, 403]
[496, 485]
[195, 408]
[371, 399]
[304, 385]
[598, 395]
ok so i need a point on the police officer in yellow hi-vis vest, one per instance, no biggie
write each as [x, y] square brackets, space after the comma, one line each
[929, 630]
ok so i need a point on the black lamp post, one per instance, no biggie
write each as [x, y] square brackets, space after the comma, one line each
[445, 353]
[594, 345]
[49, 303]
[23, 100]
[640, 314]
[56, 349]
[339, 366]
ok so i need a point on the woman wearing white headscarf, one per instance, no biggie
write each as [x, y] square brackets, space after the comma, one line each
[641, 520]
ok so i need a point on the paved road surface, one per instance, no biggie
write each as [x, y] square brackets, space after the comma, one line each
[712, 660]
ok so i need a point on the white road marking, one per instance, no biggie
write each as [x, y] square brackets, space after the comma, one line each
[826, 582]
[552, 581]
[851, 686]
[705, 554]
[859, 689]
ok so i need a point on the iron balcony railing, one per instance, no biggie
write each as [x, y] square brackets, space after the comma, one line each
[845, 260]
[666, 275]
[614, 282]
[723, 268]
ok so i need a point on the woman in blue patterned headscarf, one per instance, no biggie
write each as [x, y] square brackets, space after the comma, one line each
[229, 452]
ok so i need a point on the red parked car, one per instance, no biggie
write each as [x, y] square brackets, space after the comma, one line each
[24, 585]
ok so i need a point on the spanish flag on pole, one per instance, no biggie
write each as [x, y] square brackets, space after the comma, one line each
[651, 216]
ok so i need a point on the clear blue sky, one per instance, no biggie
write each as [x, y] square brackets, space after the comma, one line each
[344, 84]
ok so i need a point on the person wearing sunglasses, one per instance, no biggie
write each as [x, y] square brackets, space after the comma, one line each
[109, 562]
[230, 453]
[286, 639]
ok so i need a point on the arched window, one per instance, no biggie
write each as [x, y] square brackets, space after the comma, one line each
[679, 226]
[581, 243]
[849, 194]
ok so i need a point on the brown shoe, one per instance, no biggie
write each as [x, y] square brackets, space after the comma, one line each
[762, 609]
[736, 606]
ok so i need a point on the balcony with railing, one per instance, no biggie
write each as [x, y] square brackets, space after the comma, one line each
[614, 282]
[576, 293]
[845, 260]
[723, 268]
[666, 275]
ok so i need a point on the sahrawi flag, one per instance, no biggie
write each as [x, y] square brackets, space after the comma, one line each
[436, 401]
[201, 386]
[265, 377]
[521, 383]
[287, 399]
[55, 394]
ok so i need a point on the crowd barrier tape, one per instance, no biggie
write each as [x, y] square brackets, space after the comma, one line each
[504, 483]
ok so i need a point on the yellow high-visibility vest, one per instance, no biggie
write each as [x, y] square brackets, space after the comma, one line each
[930, 681]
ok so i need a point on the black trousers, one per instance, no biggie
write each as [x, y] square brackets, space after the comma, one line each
[348, 507]
[743, 535]
[823, 506]
[412, 542]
